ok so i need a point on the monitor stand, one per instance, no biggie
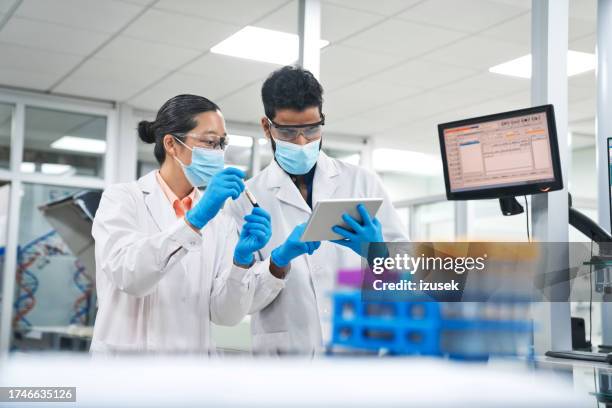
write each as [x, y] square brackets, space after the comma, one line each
[510, 206]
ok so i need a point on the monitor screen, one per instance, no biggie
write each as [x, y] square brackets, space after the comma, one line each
[507, 154]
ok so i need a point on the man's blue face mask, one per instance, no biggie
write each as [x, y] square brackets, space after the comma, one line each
[205, 163]
[297, 159]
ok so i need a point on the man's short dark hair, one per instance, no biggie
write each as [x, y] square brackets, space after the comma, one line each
[291, 88]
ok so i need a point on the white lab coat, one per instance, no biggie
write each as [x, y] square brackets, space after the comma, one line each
[297, 320]
[160, 283]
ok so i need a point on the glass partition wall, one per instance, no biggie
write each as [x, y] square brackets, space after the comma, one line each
[50, 148]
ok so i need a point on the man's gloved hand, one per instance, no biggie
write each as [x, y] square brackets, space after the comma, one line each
[293, 247]
[369, 230]
[227, 183]
[255, 234]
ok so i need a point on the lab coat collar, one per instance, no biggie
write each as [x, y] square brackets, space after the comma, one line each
[323, 185]
[157, 203]
[325, 180]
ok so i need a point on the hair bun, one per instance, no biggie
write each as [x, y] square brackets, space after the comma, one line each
[145, 131]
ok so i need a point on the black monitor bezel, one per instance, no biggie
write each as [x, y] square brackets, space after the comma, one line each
[508, 191]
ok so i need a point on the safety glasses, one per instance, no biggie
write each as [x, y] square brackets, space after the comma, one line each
[288, 133]
[211, 142]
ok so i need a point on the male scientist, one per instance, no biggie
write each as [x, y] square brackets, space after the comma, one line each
[297, 320]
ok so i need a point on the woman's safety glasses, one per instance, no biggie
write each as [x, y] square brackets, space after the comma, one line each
[288, 133]
[206, 141]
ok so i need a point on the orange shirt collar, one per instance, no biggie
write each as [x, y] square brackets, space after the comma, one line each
[179, 206]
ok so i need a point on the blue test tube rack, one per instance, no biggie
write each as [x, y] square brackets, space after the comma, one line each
[406, 328]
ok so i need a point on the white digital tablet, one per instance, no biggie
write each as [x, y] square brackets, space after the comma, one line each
[328, 213]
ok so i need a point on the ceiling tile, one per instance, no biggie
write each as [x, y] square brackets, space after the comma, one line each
[107, 90]
[180, 83]
[386, 8]
[403, 38]
[223, 68]
[524, 4]
[91, 15]
[422, 73]
[469, 53]
[187, 32]
[243, 106]
[493, 84]
[362, 96]
[240, 12]
[127, 50]
[336, 22]
[584, 44]
[50, 37]
[584, 9]
[516, 30]
[432, 113]
[465, 15]
[339, 22]
[29, 60]
[24, 79]
[284, 19]
[341, 65]
[108, 80]
[421, 106]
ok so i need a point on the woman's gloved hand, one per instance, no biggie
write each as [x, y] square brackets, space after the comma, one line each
[227, 183]
[255, 234]
[293, 247]
[369, 230]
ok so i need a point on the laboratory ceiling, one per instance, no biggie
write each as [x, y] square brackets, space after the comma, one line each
[393, 69]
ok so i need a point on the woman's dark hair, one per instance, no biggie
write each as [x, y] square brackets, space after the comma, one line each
[291, 88]
[175, 116]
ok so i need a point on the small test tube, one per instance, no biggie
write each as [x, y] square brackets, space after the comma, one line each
[251, 197]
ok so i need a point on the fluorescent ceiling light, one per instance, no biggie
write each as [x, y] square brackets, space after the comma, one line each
[577, 63]
[80, 144]
[48, 168]
[406, 161]
[260, 44]
[57, 169]
[28, 167]
[240, 141]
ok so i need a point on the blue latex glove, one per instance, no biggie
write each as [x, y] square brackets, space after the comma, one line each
[369, 230]
[255, 234]
[293, 247]
[225, 184]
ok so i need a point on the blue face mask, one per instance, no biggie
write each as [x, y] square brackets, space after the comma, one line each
[296, 159]
[205, 163]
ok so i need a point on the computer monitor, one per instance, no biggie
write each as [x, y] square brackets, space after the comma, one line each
[503, 155]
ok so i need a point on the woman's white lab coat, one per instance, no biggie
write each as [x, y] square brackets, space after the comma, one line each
[297, 320]
[160, 283]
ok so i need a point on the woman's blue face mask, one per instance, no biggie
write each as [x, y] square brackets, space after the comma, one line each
[205, 163]
[297, 159]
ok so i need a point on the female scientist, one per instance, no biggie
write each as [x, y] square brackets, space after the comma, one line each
[168, 260]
